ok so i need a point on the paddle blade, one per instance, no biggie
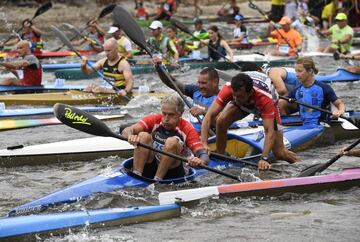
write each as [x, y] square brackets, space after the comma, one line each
[62, 37]
[106, 10]
[180, 25]
[81, 120]
[130, 27]
[42, 9]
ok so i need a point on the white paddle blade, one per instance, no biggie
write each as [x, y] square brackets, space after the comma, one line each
[347, 125]
[187, 195]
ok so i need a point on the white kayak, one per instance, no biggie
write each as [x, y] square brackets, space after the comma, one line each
[74, 150]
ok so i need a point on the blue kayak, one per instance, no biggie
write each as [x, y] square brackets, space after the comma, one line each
[49, 87]
[341, 75]
[60, 223]
[44, 111]
[247, 146]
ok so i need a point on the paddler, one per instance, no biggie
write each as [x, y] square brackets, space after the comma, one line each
[124, 44]
[219, 45]
[169, 132]
[203, 93]
[115, 67]
[162, 44]
[341, 35]
[248, 92]
[291, 45]
[94, 38]
[30, 33]
[353, 69]
[314, 93]
[180, 44]
[240, 32]
[167, 8]
[30, 70]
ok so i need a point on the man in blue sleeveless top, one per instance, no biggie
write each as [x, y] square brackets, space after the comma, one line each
[202, 94]
[314, 93]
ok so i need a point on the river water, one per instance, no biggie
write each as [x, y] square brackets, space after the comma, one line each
[325, 216]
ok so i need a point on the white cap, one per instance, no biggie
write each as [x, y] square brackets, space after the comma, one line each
[156, 24]
[113, 30]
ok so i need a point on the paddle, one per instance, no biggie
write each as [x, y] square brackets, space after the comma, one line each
[105, 11]
[185, 29]
[83, 121]
[80, 35]
[42, 9]
[132, 29]
[67, 42]
[312, 170]
[253, 6]
[293, 100]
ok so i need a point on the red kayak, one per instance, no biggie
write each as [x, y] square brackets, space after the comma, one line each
[48, 54]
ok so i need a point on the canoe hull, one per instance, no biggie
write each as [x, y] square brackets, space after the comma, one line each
[27, 227]
[344, 180]
[72, 150]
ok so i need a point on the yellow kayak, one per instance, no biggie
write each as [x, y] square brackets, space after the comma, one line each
[72, 97]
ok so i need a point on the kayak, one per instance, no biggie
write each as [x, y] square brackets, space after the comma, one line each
[248, 146]
[97, 147]
[341, 75]
[323, 54]
[84, 149]
[48, 54]
[45, 111]
[72, 97]
[255, 42]
[76, 73]
[27, 228]
[7, 124]
[48, 87]
[346, 179]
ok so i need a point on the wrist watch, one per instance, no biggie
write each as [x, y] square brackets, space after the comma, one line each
[265, 158]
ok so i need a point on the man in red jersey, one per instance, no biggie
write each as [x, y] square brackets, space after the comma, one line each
[249, 92]
[29, 67]
[169, 132]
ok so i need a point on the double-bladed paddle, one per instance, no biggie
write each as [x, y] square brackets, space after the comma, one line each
[312, 170]
[83, 121]
[185, 29]
[253, 6]
[132, 29]
[67, 42]
[42, 9]
[104, 12]
[293, 100]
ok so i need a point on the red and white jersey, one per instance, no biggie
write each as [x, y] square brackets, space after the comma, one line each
[264, 98]
[184, 131]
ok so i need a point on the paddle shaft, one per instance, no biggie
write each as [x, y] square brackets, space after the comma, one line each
[292, 100]
[252, 5]
[336, 157]
[235, 159]
[177, 157]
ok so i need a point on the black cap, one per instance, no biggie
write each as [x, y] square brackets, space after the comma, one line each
[197, 21]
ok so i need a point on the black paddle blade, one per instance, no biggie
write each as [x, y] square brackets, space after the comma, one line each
[42, 9]
[106, 10]
[180, 25]
[130, 27]
[81, 120]
[312, 170]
